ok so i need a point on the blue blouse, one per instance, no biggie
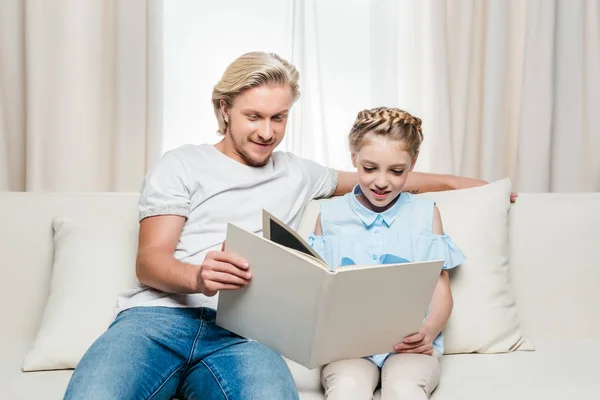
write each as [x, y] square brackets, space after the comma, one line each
[355, 235]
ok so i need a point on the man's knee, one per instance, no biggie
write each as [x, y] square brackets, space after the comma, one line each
[83, 386]
[264, 372]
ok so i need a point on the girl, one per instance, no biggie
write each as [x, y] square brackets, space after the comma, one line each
[378, 223]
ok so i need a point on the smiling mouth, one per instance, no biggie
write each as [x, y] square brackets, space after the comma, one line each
[264, 145]
[380, 193]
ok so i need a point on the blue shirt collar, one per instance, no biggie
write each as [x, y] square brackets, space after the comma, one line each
[369, 217]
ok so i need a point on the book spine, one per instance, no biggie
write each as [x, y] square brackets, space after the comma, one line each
[322, 312]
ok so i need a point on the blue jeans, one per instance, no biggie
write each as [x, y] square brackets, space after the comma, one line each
[161, 353]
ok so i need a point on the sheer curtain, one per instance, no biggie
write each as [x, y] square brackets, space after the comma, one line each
[559, 130]
[91, 93]
[75, 114]
[325, 41]
[504, 87]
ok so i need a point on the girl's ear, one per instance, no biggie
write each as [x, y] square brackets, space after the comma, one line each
[414, 161]
[223, 107]
[354, 160]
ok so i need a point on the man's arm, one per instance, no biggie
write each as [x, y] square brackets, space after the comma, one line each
[158, 268]
[417, 182]
[420, 182]
[346, 182]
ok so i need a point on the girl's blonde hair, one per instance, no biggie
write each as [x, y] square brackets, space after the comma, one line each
[248, 71]
[392, 123]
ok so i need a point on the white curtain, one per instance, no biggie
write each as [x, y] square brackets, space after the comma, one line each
[199, 40]
[559, 131]
[320, 37]
[505, 88]
[75, 110]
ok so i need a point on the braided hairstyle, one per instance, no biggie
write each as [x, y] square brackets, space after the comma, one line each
[392, 123]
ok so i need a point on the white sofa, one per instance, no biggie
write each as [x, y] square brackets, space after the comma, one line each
[554, 266]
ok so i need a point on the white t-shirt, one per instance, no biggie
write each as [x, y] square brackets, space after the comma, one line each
[210, 189]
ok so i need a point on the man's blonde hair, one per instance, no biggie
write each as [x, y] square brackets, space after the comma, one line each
[248, 71]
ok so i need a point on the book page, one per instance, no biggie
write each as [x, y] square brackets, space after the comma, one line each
[278, 232]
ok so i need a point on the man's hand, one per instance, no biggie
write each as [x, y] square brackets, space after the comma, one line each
[462, 182]
[420, 343]
[222, 271]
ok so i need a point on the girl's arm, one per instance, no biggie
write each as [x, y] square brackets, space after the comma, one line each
[439, 309]
[442, 302]
[318, 230]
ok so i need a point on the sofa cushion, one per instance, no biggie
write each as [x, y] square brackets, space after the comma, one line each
[306, 379]
[51, 385]
[555, 264]
[93, 263]
[558, 369]
[484, 318]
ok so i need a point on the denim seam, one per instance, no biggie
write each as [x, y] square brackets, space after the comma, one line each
[187, 362]
[200, 328]
[165, 382]
[216, 379]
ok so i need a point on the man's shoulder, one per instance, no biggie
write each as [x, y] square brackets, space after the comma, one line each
[192, 157]
[285, 156]
[189, 151]
[282, 157]
[181, 162]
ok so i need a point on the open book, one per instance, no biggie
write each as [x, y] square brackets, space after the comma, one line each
[314, 315]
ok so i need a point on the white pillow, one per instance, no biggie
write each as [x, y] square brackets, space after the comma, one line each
[484, 318]
[93, 263]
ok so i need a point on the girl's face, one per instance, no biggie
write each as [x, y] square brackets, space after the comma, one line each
[382, 171]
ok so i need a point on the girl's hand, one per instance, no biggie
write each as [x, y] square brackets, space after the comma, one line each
[419, 343]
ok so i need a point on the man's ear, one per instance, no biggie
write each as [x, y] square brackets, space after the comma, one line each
[354, 160]
[414, 161]
[223, 106]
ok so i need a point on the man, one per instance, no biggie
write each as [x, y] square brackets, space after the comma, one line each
[164, 341]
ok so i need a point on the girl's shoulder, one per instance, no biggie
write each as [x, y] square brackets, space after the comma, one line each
[418, 199]
[419, 204]
[415, 214]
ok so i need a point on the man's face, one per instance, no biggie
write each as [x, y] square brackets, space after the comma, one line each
[256, 123]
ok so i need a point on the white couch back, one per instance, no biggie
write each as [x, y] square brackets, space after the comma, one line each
[555, 264]
[26, 249]
[554, 258]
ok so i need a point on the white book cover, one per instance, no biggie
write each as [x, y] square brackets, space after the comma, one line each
[313, 315]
